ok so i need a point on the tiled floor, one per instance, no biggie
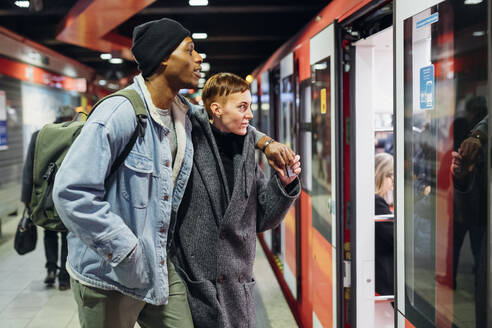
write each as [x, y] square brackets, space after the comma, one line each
[25, 302]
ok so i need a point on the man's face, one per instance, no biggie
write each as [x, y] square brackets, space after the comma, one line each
[183, 66]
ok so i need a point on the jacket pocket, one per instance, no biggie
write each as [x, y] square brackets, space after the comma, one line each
[133, 271]
[202, 296]
[249, 289]
[137, 184]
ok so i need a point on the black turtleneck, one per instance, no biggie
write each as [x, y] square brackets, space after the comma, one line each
[229, 145]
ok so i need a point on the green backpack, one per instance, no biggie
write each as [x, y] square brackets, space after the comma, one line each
[52, 144]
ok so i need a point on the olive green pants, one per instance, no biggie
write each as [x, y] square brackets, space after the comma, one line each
[108, 309]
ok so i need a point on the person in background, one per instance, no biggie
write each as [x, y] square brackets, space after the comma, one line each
[64, 114]
[384, 271]
[227, 202]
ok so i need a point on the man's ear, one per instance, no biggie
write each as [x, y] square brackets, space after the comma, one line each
[164, 62]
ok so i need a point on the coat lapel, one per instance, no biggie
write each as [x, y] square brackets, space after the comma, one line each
[244, 175]
[206, 159]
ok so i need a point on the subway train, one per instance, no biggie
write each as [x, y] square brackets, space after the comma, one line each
[412, 73]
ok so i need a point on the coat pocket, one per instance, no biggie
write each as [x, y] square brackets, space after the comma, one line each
[202, 296]
[133, 272]
[249, 289]
[137, 184]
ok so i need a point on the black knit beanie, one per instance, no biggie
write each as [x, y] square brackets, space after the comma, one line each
[154, 41]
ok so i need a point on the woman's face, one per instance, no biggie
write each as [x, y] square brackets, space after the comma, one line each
[388, 183]
[232, 115]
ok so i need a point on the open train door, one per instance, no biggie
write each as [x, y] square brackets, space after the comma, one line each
[442, 96]
[325, 187]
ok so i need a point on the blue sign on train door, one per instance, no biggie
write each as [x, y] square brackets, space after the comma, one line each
[427, 82]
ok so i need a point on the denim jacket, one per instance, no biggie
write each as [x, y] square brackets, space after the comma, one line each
[119, 232]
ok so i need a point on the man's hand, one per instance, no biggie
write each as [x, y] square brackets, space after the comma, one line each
[295, 167]
[470, 150]
[458, 169]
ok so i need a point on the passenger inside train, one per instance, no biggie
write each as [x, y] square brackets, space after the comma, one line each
[384, 245]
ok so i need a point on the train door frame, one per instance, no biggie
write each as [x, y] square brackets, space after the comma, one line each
[274, 75]
[297, 110]
[403, 11]
[349, 34]
[489, 165]
[288, 128]
[325, 45]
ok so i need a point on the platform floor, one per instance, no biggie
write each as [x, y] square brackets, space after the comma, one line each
[26, 302]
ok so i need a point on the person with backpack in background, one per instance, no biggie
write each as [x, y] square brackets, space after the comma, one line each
[64, 113]
[119, 223]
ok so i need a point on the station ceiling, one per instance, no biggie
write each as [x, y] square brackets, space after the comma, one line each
[241, 34]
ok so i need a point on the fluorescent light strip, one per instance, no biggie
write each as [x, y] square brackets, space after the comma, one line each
[198, 2]
[205, 67]
[22, 4]
[199, 36]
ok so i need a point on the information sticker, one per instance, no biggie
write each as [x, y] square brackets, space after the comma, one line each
[427, 82]
[323, 100]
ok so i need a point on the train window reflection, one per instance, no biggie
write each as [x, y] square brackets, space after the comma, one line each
[287, 114]
[321, 148]
[254, 103]
[445, 96]
[264, 114]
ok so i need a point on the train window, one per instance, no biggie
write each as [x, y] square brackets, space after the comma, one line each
[287, 113]
[287, 118]
[445, 191]
[305, 134]
[264, 113]
[321, 147]
[254, 103]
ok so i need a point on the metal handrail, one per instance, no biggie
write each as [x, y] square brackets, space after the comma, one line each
[384, 298]
[384, 218]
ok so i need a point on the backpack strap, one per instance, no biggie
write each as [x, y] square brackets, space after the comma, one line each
[141, 114]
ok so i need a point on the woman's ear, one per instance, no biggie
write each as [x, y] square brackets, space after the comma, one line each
[216, 109]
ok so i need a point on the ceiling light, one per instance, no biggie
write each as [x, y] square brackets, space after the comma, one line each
[205, 67]
[202, 74]
[22, 4]
[199, 36]
[203, 56]
[472, 2]
[249, 78]
[479, 33]
[202, 81]
[102, 82]
[198, 2]
[116, 61]
[106, 56]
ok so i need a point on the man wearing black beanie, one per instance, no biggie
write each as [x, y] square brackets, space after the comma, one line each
[120, 228]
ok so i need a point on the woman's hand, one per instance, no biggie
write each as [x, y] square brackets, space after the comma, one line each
[279, 156]
[295, 168]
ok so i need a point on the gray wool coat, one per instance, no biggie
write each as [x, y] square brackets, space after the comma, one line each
[215, 237]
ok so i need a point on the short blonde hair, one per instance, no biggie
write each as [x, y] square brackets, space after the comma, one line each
[221, 85]
[383, 167]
